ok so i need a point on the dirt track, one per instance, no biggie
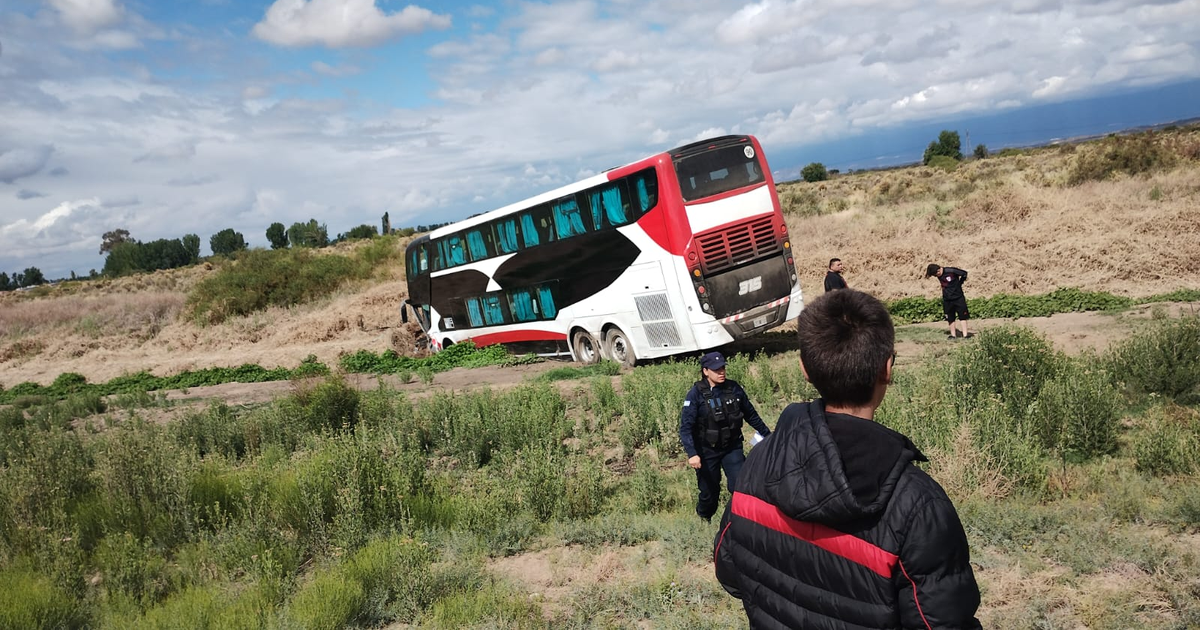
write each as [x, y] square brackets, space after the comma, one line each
[1070, 332]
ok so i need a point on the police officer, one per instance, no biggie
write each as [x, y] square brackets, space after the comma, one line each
[710, 429]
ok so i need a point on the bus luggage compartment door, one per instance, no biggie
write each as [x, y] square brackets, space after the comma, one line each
[748, 286]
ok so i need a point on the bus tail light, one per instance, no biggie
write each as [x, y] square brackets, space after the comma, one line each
[701, 290]
[696, 272]
[692, 256]
[783, 228]
[791, 263]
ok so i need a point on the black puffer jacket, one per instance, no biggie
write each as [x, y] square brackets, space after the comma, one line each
[832, 526]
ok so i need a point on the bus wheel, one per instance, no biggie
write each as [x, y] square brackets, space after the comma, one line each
[619, 348]
[585, 346]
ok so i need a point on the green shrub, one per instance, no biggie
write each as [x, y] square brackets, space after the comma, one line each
[215, 430]
[131, 567]
[491, 606]
[1132, 155]
[1078, 412]
[603, 368]
[328, 601]
[69, 381]
[332, 405]
[143, 479]
[943, 163]
[29, 600]
[584, 494]
[1168, 442]
[646, 485]
[214, 607]
[1011, 363]
[396, 578]
[1164, 360]
[260, 278]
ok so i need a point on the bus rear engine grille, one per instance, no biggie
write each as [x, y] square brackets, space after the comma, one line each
[728, 247]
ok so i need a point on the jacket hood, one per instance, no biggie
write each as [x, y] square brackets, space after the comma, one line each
[806, 476]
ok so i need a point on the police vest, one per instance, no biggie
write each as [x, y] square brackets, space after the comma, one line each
[720, 418]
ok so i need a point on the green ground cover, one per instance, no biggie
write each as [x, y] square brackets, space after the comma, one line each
[1076, 478]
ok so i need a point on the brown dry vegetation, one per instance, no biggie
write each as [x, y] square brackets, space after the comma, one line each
[1012, 221]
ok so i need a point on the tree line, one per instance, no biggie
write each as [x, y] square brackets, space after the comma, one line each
[944, 152]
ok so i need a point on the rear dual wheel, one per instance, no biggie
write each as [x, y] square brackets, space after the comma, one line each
[618, 348]
[585, 346]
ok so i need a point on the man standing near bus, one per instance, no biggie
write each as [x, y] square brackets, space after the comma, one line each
[832, 524]
[833, 277]
[710, 430]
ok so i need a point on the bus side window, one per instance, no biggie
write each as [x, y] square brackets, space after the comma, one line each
[474, 313]
[568, 220]
[411, 268]
[610, 203]
[536, 227]
[645, 191]
[479, 243]
[422, 259]
[453, 251]
[546, 302]
[493, 309]
[506, 236]
[522, 305]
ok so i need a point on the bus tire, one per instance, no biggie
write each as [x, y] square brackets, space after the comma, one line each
[585, 347]
[618, 347]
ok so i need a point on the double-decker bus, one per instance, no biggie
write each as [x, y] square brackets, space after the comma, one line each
[681, 251]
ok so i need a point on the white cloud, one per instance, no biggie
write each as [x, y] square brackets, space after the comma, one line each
[341, 23]
[616, 60]
[87, 16]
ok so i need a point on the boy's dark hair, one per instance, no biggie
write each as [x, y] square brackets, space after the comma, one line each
[831, 261]
[931, 270]
[846, 338]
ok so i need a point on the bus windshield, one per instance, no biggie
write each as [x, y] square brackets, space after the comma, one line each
[717, 171]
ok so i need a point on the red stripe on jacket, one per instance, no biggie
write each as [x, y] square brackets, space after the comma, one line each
[844, 545]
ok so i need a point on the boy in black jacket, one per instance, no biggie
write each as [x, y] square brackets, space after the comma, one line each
[832, 525]
[954, 303]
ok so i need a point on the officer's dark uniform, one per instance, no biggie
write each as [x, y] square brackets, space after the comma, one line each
[711, 427]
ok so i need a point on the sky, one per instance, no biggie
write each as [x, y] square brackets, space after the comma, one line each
[166, 118]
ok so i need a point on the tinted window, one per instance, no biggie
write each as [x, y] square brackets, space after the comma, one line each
[479, 243]
[717, 171]
[568, 218]
[507, 235]
[643, 188]
[536, 227]
[608, 205]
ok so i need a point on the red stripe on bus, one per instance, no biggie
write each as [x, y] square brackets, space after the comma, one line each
[849, 547]
[514, 336]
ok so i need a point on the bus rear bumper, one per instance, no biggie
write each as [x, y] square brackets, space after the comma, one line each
[758, 319]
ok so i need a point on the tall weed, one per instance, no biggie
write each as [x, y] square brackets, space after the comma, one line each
[1162, 360]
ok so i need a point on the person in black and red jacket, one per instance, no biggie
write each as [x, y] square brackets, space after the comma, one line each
[954, 303]
[832, 525]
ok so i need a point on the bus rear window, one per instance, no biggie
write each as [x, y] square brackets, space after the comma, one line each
[717, 171]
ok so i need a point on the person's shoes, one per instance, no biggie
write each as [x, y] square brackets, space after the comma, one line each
[968, 335]
[951, 337]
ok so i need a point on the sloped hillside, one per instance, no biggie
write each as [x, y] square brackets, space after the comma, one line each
[1026, 222]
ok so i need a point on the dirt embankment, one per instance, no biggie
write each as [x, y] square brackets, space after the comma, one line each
[1009, 221]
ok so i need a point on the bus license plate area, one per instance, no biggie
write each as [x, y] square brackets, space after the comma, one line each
[759, 322]
[741, 289]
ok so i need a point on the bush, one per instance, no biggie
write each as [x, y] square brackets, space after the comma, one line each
[1168, 443]
[1163, 360]
[1131, 155]
[1010, 363]
[262, 278]
[1078, 412]
[943, 163]
[332, 405]
[328, 601]
[29, 600]
[814, 172]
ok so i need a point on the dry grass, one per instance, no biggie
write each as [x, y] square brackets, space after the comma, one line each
[1010, 221]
